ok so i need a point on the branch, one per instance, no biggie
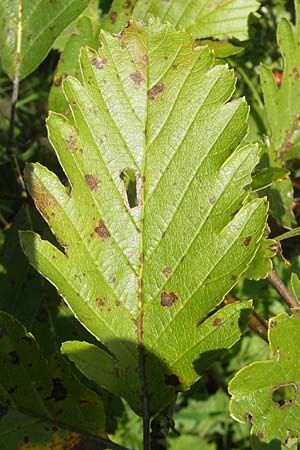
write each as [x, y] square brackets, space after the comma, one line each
[160, 428]
[282, 290]
[259, 325]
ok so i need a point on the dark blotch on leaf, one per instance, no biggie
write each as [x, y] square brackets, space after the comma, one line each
[260, 435]
[217, 322]
[155, 90]
[100, 303]
[168, 298]
[212, 200]
[246, 241]
[172, 380]
[127, 4]
[167, 271]
[117, 302]
[58, 392]
[91, 181]
[101, 231]
[14, 359]
[136, 78]
[99, 62]
[113, 17]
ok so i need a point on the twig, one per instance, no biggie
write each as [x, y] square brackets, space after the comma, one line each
[259, 325]
[14, 98]
[282, 290]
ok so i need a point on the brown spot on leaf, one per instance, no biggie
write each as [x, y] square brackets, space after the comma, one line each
[168, 298]
[70, 141]
[127, 4]
[99, 62]
[246, 241]
[212, 200]
[101, 231]
[113, 17]
[58, 80]
[91, 181]
[100, 302]
[117, 302]
[58, 392]
[217, 322]
[136, 78]
[167, 270]
[172, 380]
[260, 435]
[142, 258]
[175, 66]
[155, 90]
[112, 280]
[52, 27]
[14, 358]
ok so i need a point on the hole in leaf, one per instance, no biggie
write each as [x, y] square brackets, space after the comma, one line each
[129, 179]
[284, 395]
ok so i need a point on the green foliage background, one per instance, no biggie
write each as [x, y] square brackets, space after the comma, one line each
[201, 415]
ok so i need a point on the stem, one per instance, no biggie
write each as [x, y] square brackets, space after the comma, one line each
[12, 120]
[141, 356]
[259, 325]
[160, 427]
[282, 290]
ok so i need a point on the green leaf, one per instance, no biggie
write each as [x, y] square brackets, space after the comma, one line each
[267, 176]
[262, 264]
[91, 12]
[212, 18]
[68, 64]
[41, 405]
[282, 105]
[295, 285]
[146, 279]
[267, 391]
[29, 29]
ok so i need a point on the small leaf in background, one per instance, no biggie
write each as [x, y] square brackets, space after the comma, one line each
[91, 12]
[41, 405]
[127, 251]
[212, 18]
[282, 103]
[266, 392]
[31, 28]
[83, 35]
[262, 263]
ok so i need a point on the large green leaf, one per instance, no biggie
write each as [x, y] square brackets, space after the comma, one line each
[211, 18]
[42, 405]
[283, 112]
[268, 391]
[145, 271]
[30, 27]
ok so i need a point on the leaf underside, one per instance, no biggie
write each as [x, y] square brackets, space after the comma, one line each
[158, 226]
